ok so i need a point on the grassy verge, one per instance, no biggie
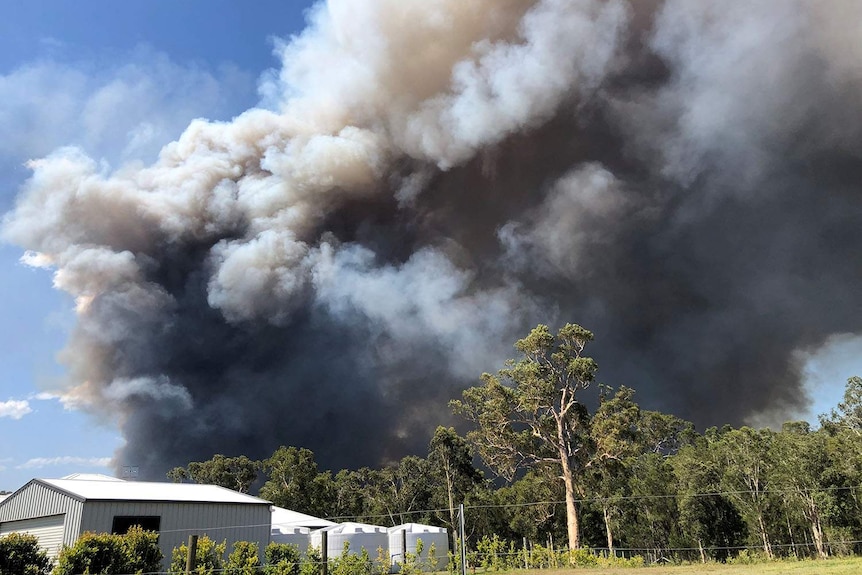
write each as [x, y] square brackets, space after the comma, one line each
[851, 566]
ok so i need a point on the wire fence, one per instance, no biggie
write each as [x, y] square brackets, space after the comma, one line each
[510, 555]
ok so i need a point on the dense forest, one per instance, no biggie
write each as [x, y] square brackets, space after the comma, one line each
[632, 481]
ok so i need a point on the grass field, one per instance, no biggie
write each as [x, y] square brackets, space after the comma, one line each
[821, 567]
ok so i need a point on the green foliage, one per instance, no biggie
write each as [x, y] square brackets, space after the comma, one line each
[243, 560]
[237, 473]
[312, 563]
[178, 475]
[351, 563]
[582, 558]
[496, 554]
[412, 562]
[747, 557]
[282, 559]
[530, 416]
[383, 564]
[136, 552]
[20, 554]
[92, 553]
[142, 550]
[450, 467]
[294, 481]
[848, 414]
[209, 557]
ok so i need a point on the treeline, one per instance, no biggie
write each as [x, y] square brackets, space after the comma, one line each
[675, 492]
[621, 479]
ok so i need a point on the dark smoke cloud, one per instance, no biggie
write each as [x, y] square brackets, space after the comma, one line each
[432, 179]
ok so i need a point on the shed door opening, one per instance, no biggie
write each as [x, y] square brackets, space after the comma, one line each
[122, 523]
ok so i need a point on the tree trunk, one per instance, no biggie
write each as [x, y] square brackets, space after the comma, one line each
[572, 514]
[608, 532]
[702, 552]
[792, 539]
[568, 479]
[571, 509]
[817, 535]
[816, 528]
[764, 536]
[449, 491]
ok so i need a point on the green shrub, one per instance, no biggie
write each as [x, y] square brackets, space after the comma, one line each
[583, 558]
[93, 553]
[312, 564]
[20, 555]
[282, 559]
[383, 564]
[208, 557]
[747, 557]
[351, 563]
[142, 550]
[496, 554]
[135, 552]
[243, 560]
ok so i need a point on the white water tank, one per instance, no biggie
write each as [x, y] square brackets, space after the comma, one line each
[291, 535]
[358, 536]
[410, 534]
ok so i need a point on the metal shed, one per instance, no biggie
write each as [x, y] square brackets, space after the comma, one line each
[58, 511]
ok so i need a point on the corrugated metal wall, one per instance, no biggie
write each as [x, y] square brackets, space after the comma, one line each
[38, 500]
[220, 521]
[48, 530]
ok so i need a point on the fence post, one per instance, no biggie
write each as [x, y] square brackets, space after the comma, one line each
[191, 556]
[324, 552]
[463, 540]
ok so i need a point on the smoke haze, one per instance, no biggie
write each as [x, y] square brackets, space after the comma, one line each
[426, 181]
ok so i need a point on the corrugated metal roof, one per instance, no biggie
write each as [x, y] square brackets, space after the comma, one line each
[148, 491]
[416, 528]
[353, 527]
[282, 517]
[91, 477]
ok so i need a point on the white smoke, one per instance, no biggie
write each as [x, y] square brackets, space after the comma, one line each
[577, 216]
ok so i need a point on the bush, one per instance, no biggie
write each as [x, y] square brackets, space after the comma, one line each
[142, 550]
[94, 553]
[243, 560]
[497, 554]
[313, 563]
[208, 557]
[135, 552]
[351, 563]
[583, 558]
[282, 559]
[20, 555]
[747, 557]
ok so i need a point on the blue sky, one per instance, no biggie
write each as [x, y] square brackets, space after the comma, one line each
[119, 79]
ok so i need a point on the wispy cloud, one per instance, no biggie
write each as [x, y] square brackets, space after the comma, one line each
[45, 396]
[15, 408]
[39, 462]
[119, 112]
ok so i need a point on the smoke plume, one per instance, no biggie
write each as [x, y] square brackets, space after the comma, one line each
[425, 181]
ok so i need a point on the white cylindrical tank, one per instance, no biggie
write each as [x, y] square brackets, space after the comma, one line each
[410, 534]
[358, 536]
[292, 535]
